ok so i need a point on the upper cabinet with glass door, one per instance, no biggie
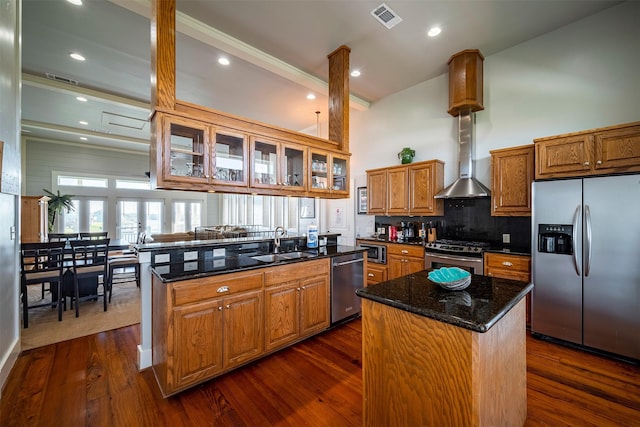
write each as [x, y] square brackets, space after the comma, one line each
[329, 173]
[187, 155]
[230, 158]
[277, 165]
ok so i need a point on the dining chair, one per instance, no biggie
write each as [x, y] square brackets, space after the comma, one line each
[62, 237]
[121, 262]
[89, 263]
[41, 263]
[95, 235]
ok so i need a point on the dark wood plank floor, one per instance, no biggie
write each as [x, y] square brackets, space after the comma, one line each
[93, 381]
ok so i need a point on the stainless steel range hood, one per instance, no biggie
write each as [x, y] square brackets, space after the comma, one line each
[466, 186]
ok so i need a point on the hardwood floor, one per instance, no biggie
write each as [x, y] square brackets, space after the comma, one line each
[94, 381]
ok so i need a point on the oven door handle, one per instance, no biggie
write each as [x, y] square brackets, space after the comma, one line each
[456, 258]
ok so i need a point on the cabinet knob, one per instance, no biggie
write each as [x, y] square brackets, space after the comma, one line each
[370, 274]
[599, 162]
[220, 308]
[298, 289]
[507, 263]
[586, 163]
[404, 251]
[228, 306]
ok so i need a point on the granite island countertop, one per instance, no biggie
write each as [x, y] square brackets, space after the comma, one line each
[209, 265]
[478, 307]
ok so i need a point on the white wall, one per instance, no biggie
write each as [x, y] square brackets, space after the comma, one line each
[10, 64]
[582, 76]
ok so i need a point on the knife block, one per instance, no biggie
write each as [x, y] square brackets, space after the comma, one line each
[431, 235]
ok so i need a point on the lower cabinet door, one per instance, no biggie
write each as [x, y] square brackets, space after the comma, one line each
[243, 328]
[198, 342]
[314, 305]
[282, 305]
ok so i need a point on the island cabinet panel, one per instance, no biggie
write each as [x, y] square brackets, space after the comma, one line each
[436, 374]
[296, 301]
[204, 327]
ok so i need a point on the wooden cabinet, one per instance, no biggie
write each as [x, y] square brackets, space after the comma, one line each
[465, 82]
[34, 219]
[377, 192]
[404, 259]
[200, 155]
[512, 176]
[296, 301]
[328, 173]
[599, 151]
[406, 190]
[510, 266]
[375, 273]
[204, 327]
[278, 165]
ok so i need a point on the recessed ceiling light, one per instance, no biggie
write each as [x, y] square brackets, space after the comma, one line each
[355, 73]
[223, 61]
[76, 56]
[82, 122]
[434, 31]
[311, 96]
[81, 98]
[83, 138]
[76, 2]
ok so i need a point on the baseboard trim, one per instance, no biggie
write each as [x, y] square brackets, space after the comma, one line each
[8, 362]
[144, 358]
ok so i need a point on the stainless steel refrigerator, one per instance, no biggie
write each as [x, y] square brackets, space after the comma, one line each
[586, 262]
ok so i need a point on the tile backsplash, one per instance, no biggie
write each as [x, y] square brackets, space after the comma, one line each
[470, 219]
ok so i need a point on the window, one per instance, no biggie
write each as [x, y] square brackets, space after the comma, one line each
[128, 184]
[82, 181]
[88, 214]
[186, 216]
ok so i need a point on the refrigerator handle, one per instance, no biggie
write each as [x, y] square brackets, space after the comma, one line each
[576, 220]
[587, 237]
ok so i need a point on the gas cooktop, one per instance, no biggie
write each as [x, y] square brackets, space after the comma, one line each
[456, 246]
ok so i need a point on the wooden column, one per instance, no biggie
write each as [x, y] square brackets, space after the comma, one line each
[163, 54]
[339, 97]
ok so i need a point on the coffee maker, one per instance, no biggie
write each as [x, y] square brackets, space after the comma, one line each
[408, 230]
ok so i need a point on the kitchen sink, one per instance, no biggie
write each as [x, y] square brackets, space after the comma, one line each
[281, 257]
[295, 255]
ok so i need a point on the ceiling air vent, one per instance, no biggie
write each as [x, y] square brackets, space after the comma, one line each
[61, 79]
[386, 16]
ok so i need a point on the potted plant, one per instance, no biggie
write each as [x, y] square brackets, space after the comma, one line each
[406, 155]
[58, 203]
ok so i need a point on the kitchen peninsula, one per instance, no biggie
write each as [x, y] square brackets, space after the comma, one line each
[433, 357]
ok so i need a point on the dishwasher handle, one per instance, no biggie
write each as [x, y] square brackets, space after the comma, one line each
[353, 261]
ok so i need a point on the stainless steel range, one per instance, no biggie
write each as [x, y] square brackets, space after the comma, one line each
[455, 253]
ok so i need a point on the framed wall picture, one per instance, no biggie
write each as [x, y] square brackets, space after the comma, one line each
[307, 207]
[361, 200]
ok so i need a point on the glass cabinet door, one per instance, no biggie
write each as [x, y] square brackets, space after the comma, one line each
[265, 163]
[188, 150]
[339, 173]
[230, 158]
[319, 171]
[293, 167]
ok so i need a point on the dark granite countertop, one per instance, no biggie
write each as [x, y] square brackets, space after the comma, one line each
[513, 250]
[478, 307]
[203, 267]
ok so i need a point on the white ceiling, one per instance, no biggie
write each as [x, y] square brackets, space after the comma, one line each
[278, 51]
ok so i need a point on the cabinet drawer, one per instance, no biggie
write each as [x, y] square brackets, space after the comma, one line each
[376, 274]
[515, 263]
[192, 290]
[406, 250]
[295, 271]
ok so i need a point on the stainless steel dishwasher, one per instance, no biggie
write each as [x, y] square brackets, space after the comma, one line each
[347, 275]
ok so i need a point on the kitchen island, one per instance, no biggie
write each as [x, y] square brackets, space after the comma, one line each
[433, 357]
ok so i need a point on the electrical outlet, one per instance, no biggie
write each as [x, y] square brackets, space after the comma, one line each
[380, 230]
[506, 238]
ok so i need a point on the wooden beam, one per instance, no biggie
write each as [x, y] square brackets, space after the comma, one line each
[339, 97]
[163, 54]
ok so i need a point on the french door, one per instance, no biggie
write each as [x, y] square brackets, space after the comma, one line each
[135, 216]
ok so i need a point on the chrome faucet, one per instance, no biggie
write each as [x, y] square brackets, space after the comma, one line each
[276, 238]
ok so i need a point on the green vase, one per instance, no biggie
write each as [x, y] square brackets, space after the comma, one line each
[406, 155]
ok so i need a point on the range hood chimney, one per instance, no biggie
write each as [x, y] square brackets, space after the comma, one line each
[465, 98]
[466, 186]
